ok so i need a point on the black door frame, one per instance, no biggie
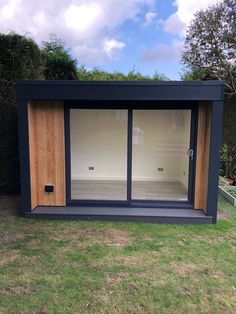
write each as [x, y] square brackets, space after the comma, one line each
[130, 106]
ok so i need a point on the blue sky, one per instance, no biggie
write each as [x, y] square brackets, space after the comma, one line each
[143, 37]
[114, 35]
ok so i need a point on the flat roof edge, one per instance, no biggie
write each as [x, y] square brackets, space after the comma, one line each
[120, 90]
[120, 83]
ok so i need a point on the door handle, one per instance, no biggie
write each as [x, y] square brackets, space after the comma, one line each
[191, 153]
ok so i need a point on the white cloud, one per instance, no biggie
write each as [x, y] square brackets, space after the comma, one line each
[103, 52]
[89, 27]
[9, 8]
[187, 8]
[163, 52]
[173, 24]
[150, 18]
[113, 45]
[178, 21]
[82, 17]
[176, 24]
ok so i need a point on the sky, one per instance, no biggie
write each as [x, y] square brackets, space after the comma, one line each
[113, 35]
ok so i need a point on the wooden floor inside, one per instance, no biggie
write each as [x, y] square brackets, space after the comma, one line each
[117, 190]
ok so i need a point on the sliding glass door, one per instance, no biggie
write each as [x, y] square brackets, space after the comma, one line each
[130, 155]
[98, 140]
[160, 159]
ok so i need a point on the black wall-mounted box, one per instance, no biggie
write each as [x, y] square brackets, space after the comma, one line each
[49, 188]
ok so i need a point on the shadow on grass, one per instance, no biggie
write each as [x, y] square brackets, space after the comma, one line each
[9, 205]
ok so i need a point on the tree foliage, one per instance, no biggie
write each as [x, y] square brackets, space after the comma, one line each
[58, 63]
[228, 163]
[133, 75]
[210, 53]
[20, 58]
[210, 45]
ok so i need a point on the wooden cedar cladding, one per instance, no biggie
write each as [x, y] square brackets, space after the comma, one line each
[47, 152]
[202, 156]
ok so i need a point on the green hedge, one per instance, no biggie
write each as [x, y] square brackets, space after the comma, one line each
[20, 58]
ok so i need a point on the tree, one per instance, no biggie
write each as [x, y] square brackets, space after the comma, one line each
[20, 58]
[210, 45]
[96, 74]
[210, 53]
[228, 164]
[59, 65]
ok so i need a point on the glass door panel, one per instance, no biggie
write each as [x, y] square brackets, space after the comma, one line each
[98, 154]
[160, 160]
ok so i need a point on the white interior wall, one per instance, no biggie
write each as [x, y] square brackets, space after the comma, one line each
[99, 140]
[160, 140]
[184, 171]
[184, 163]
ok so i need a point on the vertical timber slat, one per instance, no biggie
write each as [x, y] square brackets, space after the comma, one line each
[202, 156]
[47, 152]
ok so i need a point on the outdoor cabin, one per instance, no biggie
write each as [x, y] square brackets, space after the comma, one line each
[120, 150]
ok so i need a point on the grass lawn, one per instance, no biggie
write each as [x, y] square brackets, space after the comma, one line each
[102, 267]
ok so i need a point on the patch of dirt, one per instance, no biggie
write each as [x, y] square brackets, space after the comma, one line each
[33, 243]
[72, 235]
[104, 236]
[212, 273]
[9, 205]
[116, 237]
[189, 269]
[156, 275]
[43, 310]
[217, 274]
[221, 294]
[222, 215]
[76, 238]
[6, 258]
[9, 238]
[215, 239]
[115, 278]
[143, 261]
[132, 261]
[149, 259]
[187, 290]
[183, 269]
[18, 290]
